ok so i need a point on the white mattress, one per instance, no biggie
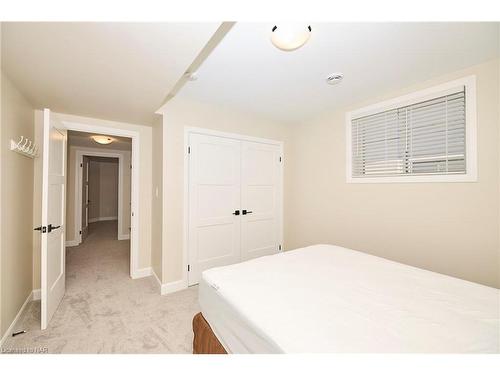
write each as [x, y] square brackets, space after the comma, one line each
[326, 298]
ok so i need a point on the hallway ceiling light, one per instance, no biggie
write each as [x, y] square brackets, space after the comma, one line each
[102, 139]
[289, 37]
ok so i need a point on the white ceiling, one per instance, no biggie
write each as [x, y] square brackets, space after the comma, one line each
[246, 71]
[115, 71]
[82, 139]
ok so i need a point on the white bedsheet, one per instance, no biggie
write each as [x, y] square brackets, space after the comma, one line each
[327, 298]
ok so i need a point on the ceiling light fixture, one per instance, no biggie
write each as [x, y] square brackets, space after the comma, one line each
[289, 37]
[102, 139]
[334, 78]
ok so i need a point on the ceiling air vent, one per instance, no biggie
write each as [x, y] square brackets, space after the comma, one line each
[334, 78]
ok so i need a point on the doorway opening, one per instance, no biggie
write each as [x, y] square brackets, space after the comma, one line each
[100, 199]
[98, 205]
[64, 203]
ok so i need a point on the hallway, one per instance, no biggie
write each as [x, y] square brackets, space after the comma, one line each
[105, 311]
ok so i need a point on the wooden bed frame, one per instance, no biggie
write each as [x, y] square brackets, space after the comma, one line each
[205, 341]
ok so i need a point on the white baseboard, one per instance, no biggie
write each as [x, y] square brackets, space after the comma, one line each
[37, 294]
[168, 288]
[104, 218]
[14, 322]
[124, 237]
[173, 287]
[141, 272]
[72, 243]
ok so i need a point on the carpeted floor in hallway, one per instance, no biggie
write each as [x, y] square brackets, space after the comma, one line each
[105, 311]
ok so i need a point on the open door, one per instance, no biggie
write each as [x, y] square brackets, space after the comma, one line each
[53, 216]
[85, 197]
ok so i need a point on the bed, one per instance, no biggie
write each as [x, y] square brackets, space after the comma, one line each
[326, 299]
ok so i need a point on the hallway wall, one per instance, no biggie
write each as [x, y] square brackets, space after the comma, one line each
[16, 238]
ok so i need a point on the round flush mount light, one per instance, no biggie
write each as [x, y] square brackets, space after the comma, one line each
[102, 139]
[334, 78]
[291, 36]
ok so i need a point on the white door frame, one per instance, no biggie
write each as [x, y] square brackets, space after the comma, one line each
[80, 152]
[194, 130]
[134, 185]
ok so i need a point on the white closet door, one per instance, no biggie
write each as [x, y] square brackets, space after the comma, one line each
[261, 198]
[214, 196]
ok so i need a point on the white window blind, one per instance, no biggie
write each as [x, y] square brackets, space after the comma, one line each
[426, 138]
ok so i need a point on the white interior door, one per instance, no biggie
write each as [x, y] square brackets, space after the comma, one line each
[214, 203]
[53, 216]
[260, 199]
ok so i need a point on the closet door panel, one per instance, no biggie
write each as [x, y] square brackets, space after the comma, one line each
[260, 197]
[214, 195]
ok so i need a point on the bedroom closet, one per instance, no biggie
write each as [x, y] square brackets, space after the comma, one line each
[234, 202]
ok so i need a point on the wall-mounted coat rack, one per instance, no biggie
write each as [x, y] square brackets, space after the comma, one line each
[24, 147]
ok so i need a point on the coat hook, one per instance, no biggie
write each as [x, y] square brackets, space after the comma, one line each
[23, 147]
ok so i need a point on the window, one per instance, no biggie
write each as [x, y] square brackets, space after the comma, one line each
[423, 137]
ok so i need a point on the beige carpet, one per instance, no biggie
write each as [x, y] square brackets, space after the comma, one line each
[105, 311]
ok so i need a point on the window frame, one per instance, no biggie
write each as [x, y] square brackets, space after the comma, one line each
[469, 83]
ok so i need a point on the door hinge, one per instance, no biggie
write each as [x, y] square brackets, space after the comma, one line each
[189, 149]
[80, 232]
[279, 247]
[280, 159]
[81, 165]
[189, 268]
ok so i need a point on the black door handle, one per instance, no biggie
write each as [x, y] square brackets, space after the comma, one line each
[244, 212]
[50, 228]
[41, 229]
[237, 212]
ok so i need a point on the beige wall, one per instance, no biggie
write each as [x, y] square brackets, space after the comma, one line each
[451, 228]
[16, 205]
[144, 187]
[156, 209]
[177, 115]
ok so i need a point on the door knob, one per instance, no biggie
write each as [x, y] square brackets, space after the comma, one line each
[237, 212]
[50, 228]
[244, 212]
